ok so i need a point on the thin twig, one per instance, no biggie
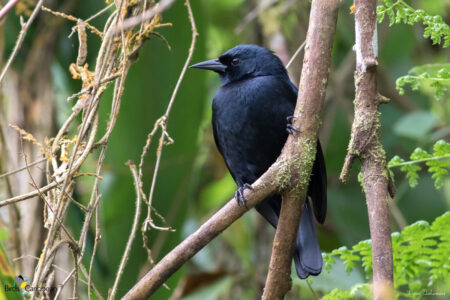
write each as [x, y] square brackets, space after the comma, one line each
[54, 265]
[199, 239]
[5, 9]
[162, 122]
[145, 16]
[253, 14]
[73, 19]
[20, 39]
[295, 54]
[94, 250]
[126, 253]
[22, 168]
[99, 13]
[29, 195]
[41, 195]
[89, 87]
[313, 292]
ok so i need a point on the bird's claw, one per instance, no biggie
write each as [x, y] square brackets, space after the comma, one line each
[239, 194]
[289, 127]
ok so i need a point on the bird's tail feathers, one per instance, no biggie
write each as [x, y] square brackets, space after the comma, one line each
[307, 255]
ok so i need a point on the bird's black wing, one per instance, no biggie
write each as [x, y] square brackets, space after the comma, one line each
[216, 137]
[317, 189]
[219, 144]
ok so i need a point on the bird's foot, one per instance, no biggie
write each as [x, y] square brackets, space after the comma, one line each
[239, 194]
[289, 127]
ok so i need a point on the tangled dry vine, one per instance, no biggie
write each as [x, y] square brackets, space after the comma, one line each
[64, 155]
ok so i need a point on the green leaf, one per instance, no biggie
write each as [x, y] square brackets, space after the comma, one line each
[436, 76]
[400, 12]
[395, 161]
[419, 153]
[420, 259]
[411, 174]
[381, 11]
[391, 15]
[438, 163]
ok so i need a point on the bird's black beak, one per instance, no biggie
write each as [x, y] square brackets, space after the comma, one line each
[213, 65]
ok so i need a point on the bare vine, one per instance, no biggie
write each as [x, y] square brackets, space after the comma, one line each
[64, 155]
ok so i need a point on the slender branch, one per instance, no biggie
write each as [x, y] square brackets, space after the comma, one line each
[94, 250]
[365, 145]
[20, 39]
[295, 54]
[145, 16]
[5, 9]
[42, 196]
[100, 12]
[162, 122]
[147, 285]
[29, 195]
[302, 148]
[56, 267]
[73, 19]
[126, 253]
[22, 168]
[253, 14]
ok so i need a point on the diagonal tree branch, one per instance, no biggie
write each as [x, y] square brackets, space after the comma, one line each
[8, 6]
[302, 148]
[365, 144]
[22, 34]
[262, 188]
[289, 175]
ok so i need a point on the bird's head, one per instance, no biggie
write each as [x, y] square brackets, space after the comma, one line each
[244, 61]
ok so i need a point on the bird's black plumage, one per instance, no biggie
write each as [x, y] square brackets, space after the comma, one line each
[250, 110]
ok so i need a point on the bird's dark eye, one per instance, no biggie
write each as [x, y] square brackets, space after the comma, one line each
[235, 61]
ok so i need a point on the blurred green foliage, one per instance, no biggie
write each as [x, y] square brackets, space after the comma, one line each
[401, 12]
[193, 181]
[420, 260]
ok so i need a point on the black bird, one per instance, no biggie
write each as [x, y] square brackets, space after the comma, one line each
[251, 115]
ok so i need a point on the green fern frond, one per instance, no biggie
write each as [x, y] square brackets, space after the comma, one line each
[438, 163]
[400, 12]
[436, 76]
[420, 255]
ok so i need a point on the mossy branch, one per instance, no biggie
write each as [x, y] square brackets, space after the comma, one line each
[365, 145]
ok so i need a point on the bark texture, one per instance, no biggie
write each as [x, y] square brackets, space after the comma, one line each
[365, 144]
[301, 149]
